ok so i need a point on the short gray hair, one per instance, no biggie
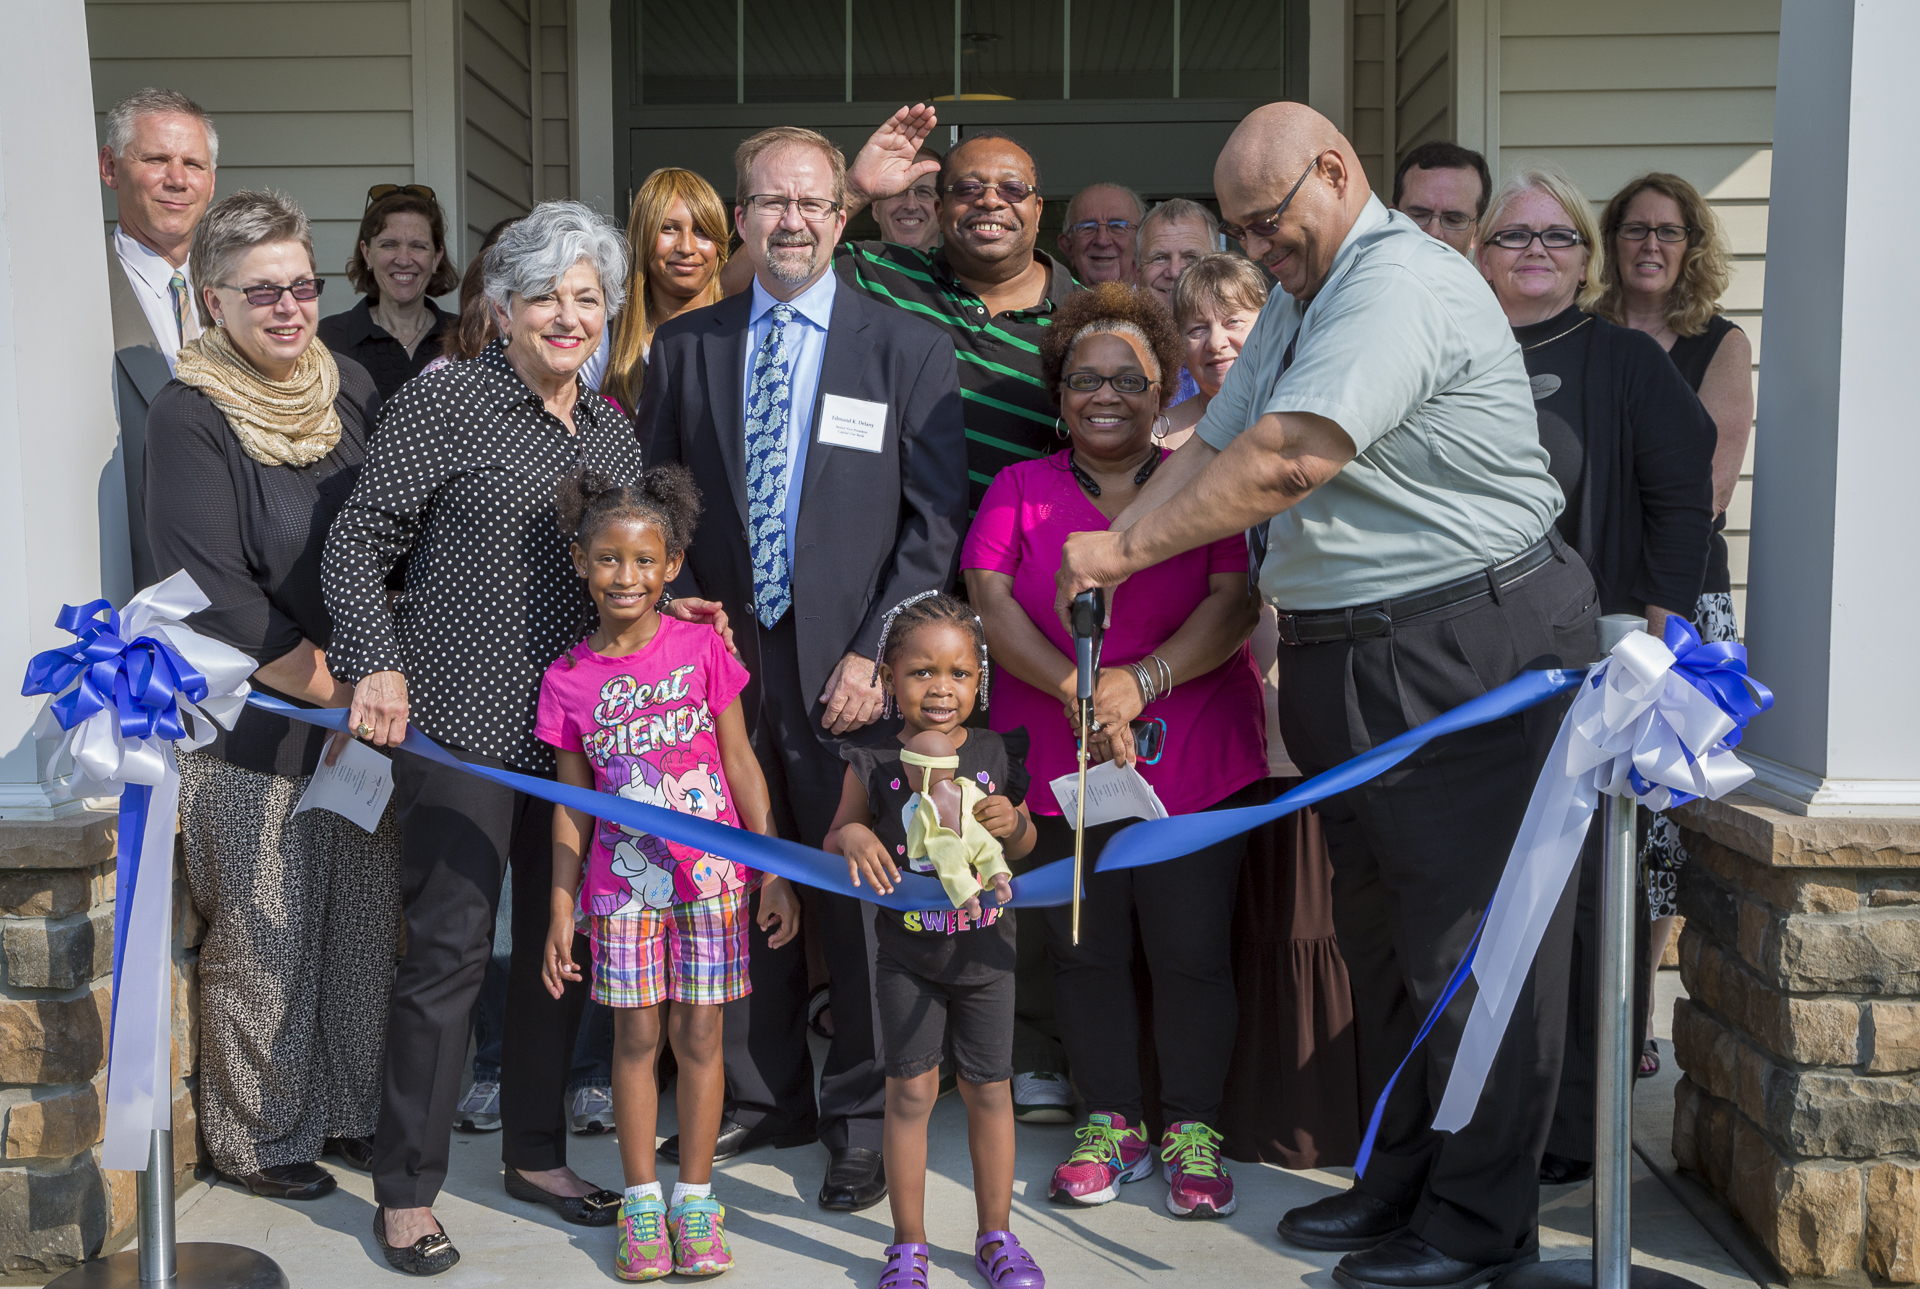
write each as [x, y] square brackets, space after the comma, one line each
[1178, 210]
[235, 225]
[1545, 177]
[535, 253]
[153, 102]
[1139, 202]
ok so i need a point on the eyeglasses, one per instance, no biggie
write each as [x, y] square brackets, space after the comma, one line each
[1127, 382]
[1271, 224]
[267, 294]
[1088, 227]
[1665, 232]
[968, 191]
[378, 191]
[1518, 239]
[771, 205]
[1453, 221]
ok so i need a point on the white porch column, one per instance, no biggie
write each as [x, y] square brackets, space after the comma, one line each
[62, 516]
[1833, 606]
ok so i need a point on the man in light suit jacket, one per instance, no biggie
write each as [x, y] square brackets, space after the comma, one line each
[825, 432]
[159, 160]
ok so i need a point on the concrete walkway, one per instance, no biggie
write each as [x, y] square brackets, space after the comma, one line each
[782, 1238]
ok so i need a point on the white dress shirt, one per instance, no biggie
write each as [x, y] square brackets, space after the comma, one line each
[150, 273]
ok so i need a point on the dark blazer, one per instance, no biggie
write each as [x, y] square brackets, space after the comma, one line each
[874, 527]
[139, 373]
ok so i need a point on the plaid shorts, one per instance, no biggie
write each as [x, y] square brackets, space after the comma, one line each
[689, 953]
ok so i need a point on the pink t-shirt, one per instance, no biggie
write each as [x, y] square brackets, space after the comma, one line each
[649, 724]
[1216, 727]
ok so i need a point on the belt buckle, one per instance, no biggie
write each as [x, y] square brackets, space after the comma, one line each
[1372, 616]
[1288, 628]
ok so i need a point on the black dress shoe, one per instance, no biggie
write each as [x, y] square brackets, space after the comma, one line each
[287, 1181]
[736, 1140]
[601, 1208]
[1561, 1170]
[427, 1256]
[1409, 1262]
[856, 1179]
[1350, 1220]
[354, 1152]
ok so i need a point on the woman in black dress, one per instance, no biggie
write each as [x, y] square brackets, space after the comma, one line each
[1665, 276]
[399, 263]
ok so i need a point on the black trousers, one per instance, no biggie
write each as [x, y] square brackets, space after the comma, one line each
[1184, 909]
[458, 833]
[769, 1066]
[1416, 856]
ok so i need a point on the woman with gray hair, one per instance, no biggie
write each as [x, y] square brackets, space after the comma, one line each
[252, 449]
[460, 485]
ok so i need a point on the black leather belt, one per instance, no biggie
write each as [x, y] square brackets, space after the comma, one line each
[1325, 625]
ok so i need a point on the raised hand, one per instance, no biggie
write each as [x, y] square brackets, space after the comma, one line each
[885, 166]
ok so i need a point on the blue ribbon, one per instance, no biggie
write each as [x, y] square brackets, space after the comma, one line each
[141, 681]
[1719, 671]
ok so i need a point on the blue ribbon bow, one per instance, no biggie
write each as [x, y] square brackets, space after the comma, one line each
[141, 681]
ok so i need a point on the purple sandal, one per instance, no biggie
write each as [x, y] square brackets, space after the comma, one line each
[1009, 1266]
[906, 1267]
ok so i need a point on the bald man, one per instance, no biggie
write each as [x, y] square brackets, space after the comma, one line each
[1378, 436]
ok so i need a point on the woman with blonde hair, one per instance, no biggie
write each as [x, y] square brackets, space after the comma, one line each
[1666, 276]
[678, 232]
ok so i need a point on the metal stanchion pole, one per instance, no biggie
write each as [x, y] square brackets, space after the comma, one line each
[158, 1263]
[1616, 1053]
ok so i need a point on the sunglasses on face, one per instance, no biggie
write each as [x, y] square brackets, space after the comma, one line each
[1665, 232]
[968, 191]
[1127, 382]
[267, 294]
[1518, 239]
[1271, 224]
[378, 191]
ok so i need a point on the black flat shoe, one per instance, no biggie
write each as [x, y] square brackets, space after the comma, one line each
[737, 1140]
[601, 1208]
[1409, 1262]
[286, 1181]
[354, 1152]
[427, 1256]
[856, 1179]
[1350, 1220]
[1560, 1170]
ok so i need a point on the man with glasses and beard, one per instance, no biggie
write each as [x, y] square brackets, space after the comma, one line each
[817, 424]
[1378, 435]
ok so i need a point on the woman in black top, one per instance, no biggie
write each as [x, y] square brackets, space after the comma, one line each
[252, 450]
[461, 485]
[399, 261]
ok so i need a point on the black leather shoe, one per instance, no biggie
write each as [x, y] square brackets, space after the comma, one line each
[427, 1256]
[1351, 1220]
[856, 1179]
[1409, 1262]
[736, 1140]
[600, 1208]
[1561, 1170]
[354, 1152]
[287, 1181]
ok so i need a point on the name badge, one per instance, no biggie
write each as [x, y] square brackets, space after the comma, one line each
[852, 423]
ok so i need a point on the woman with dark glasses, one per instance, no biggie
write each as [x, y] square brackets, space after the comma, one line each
[251, 451]
[399, 262]
[1176, 658]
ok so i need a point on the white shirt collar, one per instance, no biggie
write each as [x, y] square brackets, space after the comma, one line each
[150, 268]
[815, 304]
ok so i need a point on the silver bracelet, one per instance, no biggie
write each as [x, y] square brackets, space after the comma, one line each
[1142, 679]
[1166, 672]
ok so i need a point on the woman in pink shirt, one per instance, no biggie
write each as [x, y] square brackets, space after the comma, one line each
[1176, 654]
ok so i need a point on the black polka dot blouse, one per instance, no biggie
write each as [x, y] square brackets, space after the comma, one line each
[460, 482]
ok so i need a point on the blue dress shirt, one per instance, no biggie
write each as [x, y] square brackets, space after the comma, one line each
[807, 342]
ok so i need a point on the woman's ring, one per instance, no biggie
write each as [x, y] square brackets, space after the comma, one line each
[364, 731]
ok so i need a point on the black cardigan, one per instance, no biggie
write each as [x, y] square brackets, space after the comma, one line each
[1645, 502]
[251, 536]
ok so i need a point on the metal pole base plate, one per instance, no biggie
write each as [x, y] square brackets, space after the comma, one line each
[199, 1266]
[1577, 1273]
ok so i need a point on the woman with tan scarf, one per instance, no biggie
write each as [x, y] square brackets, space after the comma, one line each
[251, 450]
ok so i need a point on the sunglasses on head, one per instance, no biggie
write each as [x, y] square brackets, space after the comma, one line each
[378, 191]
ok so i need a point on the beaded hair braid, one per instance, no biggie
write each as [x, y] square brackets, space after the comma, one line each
[924, 609]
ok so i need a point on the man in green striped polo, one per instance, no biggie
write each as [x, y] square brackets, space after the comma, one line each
[986, 284]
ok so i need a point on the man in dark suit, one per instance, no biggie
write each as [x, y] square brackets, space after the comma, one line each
[819, 424]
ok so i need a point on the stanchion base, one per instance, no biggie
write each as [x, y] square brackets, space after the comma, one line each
[1577, 1273]
[197, 1266]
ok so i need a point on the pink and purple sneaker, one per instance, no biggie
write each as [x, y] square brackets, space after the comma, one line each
[645, 1250]
[1109, 1154]
[1197, 1186]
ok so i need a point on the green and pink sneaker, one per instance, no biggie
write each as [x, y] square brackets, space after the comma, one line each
[1109, 1154]
[645, 1251]
[1197, 1186]
[699, 1240]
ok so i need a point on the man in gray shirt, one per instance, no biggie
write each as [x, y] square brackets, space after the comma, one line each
[1378, 436]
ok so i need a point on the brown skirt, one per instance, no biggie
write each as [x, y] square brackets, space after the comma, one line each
[1293, 1090]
